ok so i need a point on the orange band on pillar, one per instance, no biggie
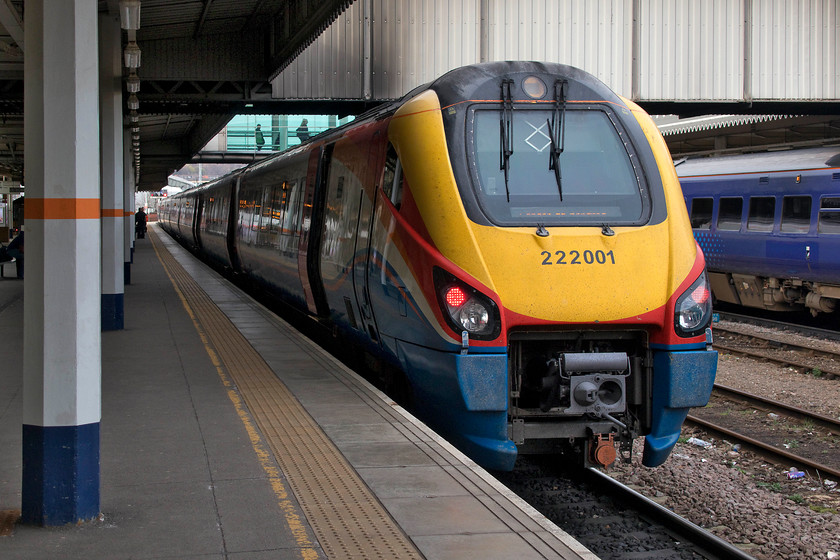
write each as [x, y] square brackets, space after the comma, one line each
[112, 212]
[129, 214]
[61, 209]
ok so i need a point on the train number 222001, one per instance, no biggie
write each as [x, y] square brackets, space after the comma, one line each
[577, 257]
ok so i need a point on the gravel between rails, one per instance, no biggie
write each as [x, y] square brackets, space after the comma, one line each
[739, 496]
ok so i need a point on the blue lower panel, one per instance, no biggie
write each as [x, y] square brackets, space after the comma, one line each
[681, 380]
[112, 312]
[60, 474]
[464, 398]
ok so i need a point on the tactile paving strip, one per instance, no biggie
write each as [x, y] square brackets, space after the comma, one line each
[345, 516]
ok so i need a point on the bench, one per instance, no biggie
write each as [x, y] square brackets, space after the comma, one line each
[3, 265]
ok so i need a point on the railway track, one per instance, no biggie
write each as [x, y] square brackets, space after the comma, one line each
[770, 450]
[805, 330]
[611, 519]
[804, 357]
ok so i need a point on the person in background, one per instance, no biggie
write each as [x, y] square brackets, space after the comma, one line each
[259, 138]
[15, 250]
[303, 131]
[140, 223]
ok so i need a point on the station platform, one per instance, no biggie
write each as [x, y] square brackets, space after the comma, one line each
[225, 433]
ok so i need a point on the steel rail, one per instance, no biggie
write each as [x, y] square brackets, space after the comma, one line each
[823, 421]
[783, 345]
[774, 359]
[803, 329]
[760, 445]
[695, 534]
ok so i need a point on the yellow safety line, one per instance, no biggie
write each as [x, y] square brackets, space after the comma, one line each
[347, 519]
[296, 526]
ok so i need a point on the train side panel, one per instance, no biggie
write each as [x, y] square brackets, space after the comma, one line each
[268, 226]
[350, 187]
[769, 235]
[215, 222]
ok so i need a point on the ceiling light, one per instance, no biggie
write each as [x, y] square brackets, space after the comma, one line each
[130, 14]
[133, 102]
[132, 55]
[132, 83]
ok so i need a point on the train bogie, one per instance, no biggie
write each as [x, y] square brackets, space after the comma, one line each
[510, 245]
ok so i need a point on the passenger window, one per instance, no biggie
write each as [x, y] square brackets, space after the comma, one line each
[796, 214]
[830, 215]
[730, 213]
[762, 212]
[701, 213]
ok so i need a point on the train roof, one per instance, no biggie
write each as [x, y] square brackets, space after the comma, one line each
[765, 162]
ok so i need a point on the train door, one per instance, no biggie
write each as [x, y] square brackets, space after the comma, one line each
[232, 226]
[361, 264]
[198, 217]
[311, 228]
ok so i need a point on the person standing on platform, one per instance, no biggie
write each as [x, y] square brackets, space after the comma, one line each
[15, 250]
[303, 131]
[140, 223]
[259, 138]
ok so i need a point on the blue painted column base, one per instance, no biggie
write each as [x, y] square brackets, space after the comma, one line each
[112, 312]
[60, 474]
[127, 273]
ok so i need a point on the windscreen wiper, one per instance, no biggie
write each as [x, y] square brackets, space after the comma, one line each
[557, 131]
[506, 123]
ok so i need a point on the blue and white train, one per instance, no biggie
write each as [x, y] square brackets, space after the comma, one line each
[769, 225]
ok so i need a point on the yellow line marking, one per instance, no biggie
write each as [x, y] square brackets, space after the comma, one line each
[265, 458]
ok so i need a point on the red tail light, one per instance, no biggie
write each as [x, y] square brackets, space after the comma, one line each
[700, 295]
[455, 297]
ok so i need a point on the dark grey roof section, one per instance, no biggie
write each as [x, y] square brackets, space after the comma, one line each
[764, 162]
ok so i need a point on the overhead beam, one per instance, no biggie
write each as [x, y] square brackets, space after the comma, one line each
[11, 20]
[254, 106]
[201, 19]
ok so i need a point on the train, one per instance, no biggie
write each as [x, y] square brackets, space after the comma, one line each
[769, 225]
[507, 245]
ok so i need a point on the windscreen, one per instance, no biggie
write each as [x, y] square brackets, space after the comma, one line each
[594, 182]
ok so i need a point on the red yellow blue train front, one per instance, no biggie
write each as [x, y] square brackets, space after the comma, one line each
[547, 289]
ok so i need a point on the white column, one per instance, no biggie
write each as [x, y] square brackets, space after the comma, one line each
[113, 203]
[62, 341]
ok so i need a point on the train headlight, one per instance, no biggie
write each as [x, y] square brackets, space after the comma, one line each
[465, 308]
[473, 316]
[693, 311]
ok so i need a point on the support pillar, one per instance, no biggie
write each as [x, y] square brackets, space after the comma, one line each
[113, 203]
[62, 365]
